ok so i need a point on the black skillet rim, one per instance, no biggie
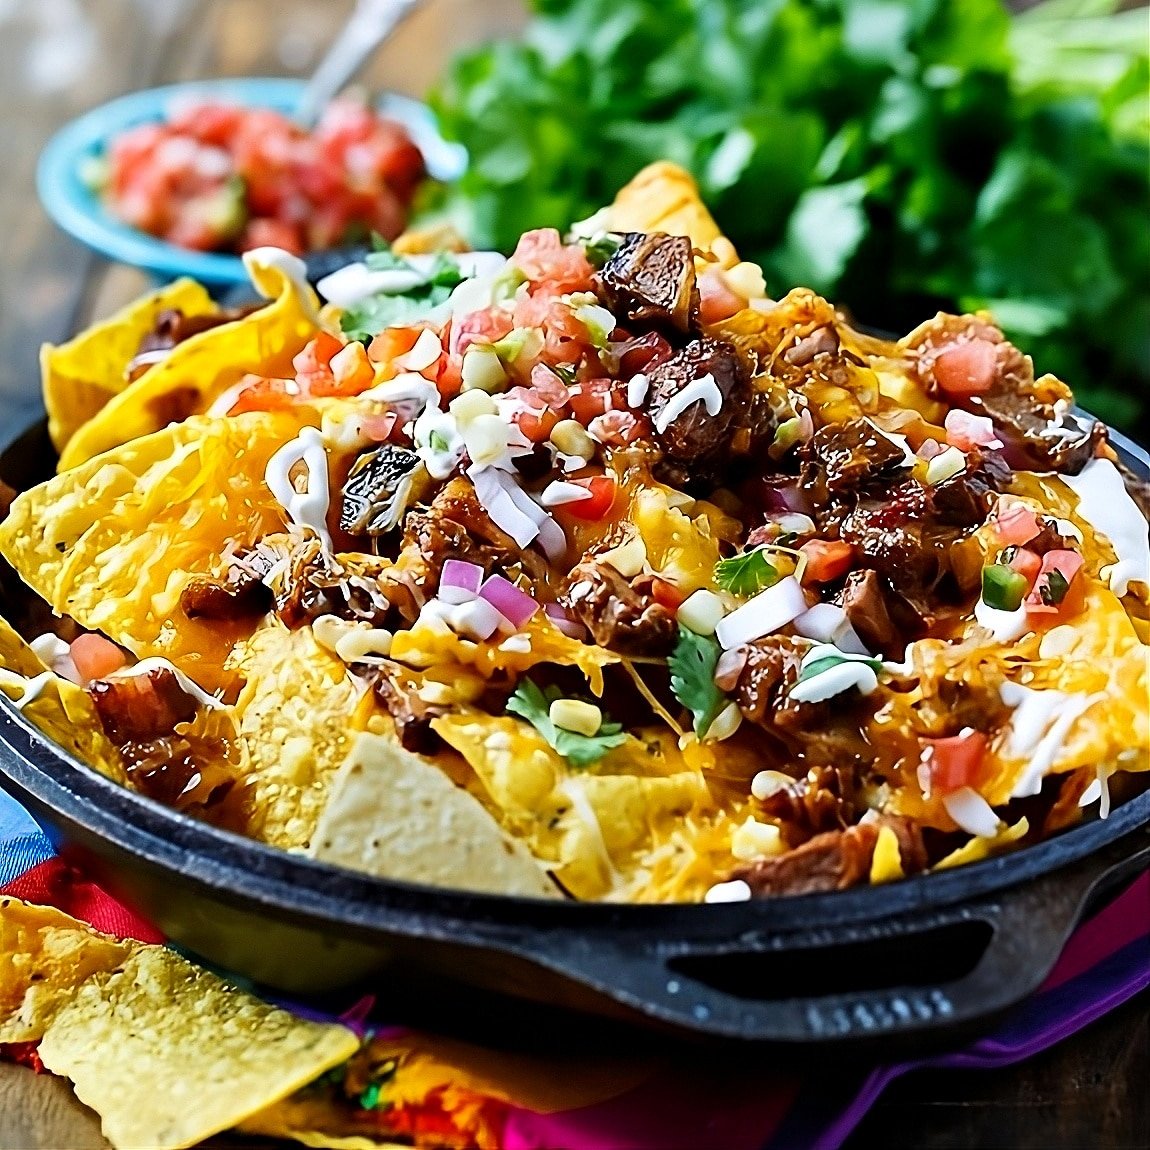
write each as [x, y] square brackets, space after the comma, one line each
[241, 870]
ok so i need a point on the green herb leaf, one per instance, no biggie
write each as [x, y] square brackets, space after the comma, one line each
[746, 574]
[601, 248]
[532, 704]
[692, 666]
[1053, 591]
[826, 662]
[366, 319]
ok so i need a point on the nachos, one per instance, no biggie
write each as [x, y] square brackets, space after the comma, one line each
[592, 571]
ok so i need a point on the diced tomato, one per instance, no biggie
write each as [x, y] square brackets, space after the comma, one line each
[272, 233]
[543, 258]
[95, 657]
[262, 394]
[1027, 563]
[595, 397]
[955, 762]
[717, 299]
[603, 490]
[617, 428]
[1057, 581]
[826, 561]
[1016, 524]
[967, 368]
[351, 372]
[392, 342]
[549, 387]
[317, 353]
[667, 594]
[639, 354]
[487, 326]
[536, 423]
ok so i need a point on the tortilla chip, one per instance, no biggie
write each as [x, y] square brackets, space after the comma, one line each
[61, 711]
[166, 1053]
[664, 198]
[293, 717]
[398, 816]
[79, 377]
[206, 365]
[591, 825]
[112, 542]
[44, 955]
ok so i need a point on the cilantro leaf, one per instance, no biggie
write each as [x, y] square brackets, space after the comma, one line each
[692, 666]
[532, 704]
[746, 573]
[366, 319]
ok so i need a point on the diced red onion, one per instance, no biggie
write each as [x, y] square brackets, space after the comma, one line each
[730, 667]
[514, 605]
[564, 621]
[459, 581]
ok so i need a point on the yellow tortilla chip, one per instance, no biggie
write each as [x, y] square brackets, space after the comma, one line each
[79, 377]
[593, 825]
[44, 955]
[112, 542]
[664, 197]
[406, 836]
[293, 717]
[60, 710]
[166, 1053]
[203, 367]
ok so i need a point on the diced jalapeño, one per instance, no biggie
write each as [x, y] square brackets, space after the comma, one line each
[1003, 588]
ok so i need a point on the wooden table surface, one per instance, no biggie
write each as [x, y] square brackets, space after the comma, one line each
[60, 57]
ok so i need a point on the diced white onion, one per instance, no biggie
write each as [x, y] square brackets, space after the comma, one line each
[557, 493]
[764, 614]
[628, 558]
[945, 465]
[701, 612]
[425, 351]
[972, 812]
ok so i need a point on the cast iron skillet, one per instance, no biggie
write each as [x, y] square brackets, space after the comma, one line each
[927, 954]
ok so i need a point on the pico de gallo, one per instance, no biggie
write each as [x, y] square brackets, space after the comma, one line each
[223, 177]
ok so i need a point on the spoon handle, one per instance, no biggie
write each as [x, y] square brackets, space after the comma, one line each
[369, 25]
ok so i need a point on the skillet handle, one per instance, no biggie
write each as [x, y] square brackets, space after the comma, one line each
[704, 987]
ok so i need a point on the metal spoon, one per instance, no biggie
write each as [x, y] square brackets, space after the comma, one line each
[371, 22]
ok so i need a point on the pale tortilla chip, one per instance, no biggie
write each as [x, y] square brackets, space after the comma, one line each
[166, 1053]
[293, 717]
[203, 367]
[112, 542]
[79, 377]
[398, 816]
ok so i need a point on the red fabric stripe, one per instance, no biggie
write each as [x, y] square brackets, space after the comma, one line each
[55, 883]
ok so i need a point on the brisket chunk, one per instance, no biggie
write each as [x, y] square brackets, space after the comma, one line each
[619, 615]
[650, 281]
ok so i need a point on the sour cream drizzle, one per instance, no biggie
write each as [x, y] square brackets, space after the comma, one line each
[704, 390]
[1038, 729]
[1106, 505]
[188, 686]
[307, 508]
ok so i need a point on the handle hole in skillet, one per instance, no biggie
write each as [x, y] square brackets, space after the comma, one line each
[928, 958]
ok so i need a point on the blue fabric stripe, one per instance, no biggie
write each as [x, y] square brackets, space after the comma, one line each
[23, 844]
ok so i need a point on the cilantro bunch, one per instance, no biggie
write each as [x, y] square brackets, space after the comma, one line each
[899, 156]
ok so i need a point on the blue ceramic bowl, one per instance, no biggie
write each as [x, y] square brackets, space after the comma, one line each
[77, 209]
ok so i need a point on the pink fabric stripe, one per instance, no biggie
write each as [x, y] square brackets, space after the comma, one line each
[1126, 919]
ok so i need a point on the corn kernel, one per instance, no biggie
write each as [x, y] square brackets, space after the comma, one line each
[570, 437]
[766, 783]
[746, 278]
[575, 715]
[482, 370]
[470, 405]
[755, 840]
[354, 645]
[701, 611]
[486, 439]
[628, 558]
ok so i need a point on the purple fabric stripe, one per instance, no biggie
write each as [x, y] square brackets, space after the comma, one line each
[1033, 1026]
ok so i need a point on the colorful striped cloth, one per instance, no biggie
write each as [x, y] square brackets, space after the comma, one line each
[699, 1103]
